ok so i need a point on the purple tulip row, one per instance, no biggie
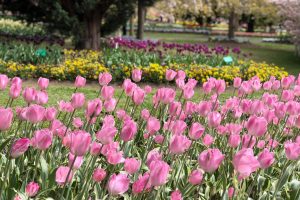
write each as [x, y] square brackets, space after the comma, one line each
[151, 46]
[130, 149]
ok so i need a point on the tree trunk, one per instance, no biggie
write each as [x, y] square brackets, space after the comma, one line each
[250, 24]
[141, 20]
[232, 25]
[131, 31]
[297, 48]
[89, 37]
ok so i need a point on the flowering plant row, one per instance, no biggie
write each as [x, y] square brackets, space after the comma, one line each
[90, 64]
[247, 146]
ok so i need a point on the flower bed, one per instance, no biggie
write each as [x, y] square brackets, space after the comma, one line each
[246, 146]
[90, 64]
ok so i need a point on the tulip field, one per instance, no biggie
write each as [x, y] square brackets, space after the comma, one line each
[180, 140]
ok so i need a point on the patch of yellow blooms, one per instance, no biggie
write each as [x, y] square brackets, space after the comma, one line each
[89, 64]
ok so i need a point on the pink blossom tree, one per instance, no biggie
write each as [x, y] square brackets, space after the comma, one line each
[291, 15]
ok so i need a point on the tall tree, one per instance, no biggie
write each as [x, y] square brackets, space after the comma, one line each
[85, 20]
[291, 15]
[142, 5]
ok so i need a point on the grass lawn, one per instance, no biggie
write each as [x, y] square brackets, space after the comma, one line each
[58, 91]
[279, 54]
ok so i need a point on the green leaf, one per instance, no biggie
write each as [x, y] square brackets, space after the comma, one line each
[44, 174]
[4, 144]
[295, 189]
[283, 178]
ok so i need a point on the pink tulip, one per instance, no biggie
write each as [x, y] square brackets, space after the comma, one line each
[153, 125]
[261, 144]
[50, 114]
[94, 108]
[179, 144]
[276, 85]
[265, 158]
[181, 74]
[77, 122]
[196, 131]
[118, 184]
[95, 149]
[138, 96]
[128, 131]
[43, 83]
[3, 81]
[188, 92]
[207, 140]
[29, 95]
[19, 147]
[153, 156]
[141, 184]
[245, 163]
[132, 165]
[230, 192]
[42, 139]
[80, 82]
[41, 97]
[107, 92]
[108, 121]
[145, 114]
[287, 95]
[237, 82]
[115, 157]
[256, 85]
[61, 175]
[106, 135]
[32, 189]
[170, 74]
[80, 142]
[204, 107]
[233, 128]
[174, 108]
[189, 108]
[257, 126]
[65, 107]
[16, 81]
[129, 87]
[136, 75]
[15, 91]
[178, 127]
[267, 85]
[210, 159]
[220, 86]
[110, 105]
[159, 171]
[286, 82]
[214, 119]
[35, 113]
[280, 110]
[292, 150]
[148, 89]
[6, 117]
[248, 141]
[77, 100]
[176, 195]
[111, 147]
[180, 83]
[196, 177]
[17, 197]
[234, 140]
[77, 163]
[104, 78]
[159, 139]
[99, 175]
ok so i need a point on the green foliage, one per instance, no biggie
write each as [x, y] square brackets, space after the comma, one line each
[30, 53]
